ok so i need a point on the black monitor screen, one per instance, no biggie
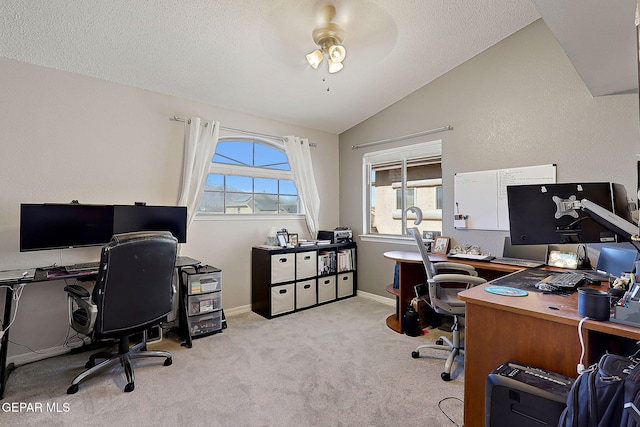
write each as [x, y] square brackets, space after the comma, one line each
[537, 213]
[55, 226]
[129, 218]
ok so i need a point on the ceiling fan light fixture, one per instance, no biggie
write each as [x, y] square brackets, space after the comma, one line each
[315, 58]
[328, 37]
[334, 67]
[337, 52]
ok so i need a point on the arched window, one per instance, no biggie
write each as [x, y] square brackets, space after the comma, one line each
[249, 176]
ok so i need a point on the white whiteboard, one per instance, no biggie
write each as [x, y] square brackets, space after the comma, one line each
[483, 195]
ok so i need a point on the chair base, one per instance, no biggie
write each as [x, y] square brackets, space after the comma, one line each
[454, 347]
[122, 356]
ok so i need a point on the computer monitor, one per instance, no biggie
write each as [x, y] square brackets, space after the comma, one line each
[547, 213]
[58, 226]
[616, 260]
[127, 218]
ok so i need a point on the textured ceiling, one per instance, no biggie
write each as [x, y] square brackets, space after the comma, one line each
[249, 55]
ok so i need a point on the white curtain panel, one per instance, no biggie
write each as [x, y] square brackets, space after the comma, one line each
[199, 147]
[300, 160]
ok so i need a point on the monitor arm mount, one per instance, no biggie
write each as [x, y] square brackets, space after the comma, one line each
[610, 221]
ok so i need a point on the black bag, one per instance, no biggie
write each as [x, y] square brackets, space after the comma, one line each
[598, 396]
[411, 322]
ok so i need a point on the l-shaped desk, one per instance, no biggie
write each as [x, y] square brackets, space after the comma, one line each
[539, 329]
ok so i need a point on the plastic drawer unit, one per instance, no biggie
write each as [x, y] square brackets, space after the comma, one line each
[202, 299]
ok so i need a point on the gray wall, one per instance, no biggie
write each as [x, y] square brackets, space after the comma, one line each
[519, 103]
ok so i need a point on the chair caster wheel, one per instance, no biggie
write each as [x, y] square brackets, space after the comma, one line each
[445, 376]
[129, 388]
[439, 341]
[72, 389]
[168, 361]
[415, 354]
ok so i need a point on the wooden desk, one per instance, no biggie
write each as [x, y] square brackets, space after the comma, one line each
[539, 330]
[412, 273]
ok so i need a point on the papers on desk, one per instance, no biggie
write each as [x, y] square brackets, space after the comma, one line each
[17, 274]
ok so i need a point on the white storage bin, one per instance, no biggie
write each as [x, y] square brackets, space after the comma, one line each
[283, 268]
[204, 303]
[282, 299]
[305, 293]
[345, 285]
[326, 289]
[306, 264]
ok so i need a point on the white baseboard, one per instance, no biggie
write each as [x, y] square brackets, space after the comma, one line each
[378, 298]
[237, 310]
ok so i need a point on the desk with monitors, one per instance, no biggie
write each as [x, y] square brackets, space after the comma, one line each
[40, 275]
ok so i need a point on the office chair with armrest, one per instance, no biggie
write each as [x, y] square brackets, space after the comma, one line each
[133, 291]
[445, 280]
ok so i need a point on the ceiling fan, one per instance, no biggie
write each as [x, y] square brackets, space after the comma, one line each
[328, 36]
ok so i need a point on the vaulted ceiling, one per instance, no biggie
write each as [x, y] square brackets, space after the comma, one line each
[249, 55]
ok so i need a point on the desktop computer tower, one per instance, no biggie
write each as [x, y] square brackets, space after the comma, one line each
[524, 396]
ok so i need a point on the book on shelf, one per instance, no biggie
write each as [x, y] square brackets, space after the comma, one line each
[346, 260]
[326, 262]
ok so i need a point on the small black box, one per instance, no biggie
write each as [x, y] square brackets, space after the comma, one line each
[524, 396]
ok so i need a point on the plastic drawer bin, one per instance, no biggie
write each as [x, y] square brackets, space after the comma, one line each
[199, 304]
[205, 323]
[202, 280]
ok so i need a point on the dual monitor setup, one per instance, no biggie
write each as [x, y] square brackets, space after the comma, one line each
[594, 212]
[72, 225]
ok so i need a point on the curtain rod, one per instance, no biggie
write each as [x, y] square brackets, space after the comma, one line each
[263, 135]
[400, 138]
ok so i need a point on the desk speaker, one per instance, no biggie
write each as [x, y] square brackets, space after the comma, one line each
[524, 396]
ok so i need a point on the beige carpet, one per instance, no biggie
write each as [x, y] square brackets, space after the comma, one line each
[333, 365]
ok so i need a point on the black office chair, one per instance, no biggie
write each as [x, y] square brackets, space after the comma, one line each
[133, 292]
[445, 281]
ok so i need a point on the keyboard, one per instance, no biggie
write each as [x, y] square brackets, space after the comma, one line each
[561, 281]
[84, 266]
[474, 257]
[518, 262]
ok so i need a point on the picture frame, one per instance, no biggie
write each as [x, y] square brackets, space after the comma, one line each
[293, 240]
[429, 237]
[441, 245]
[282, 239]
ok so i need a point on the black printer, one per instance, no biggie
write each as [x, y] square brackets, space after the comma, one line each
[339, 235]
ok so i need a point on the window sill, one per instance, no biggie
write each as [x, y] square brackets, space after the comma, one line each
[400, 240]
[247, 217]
